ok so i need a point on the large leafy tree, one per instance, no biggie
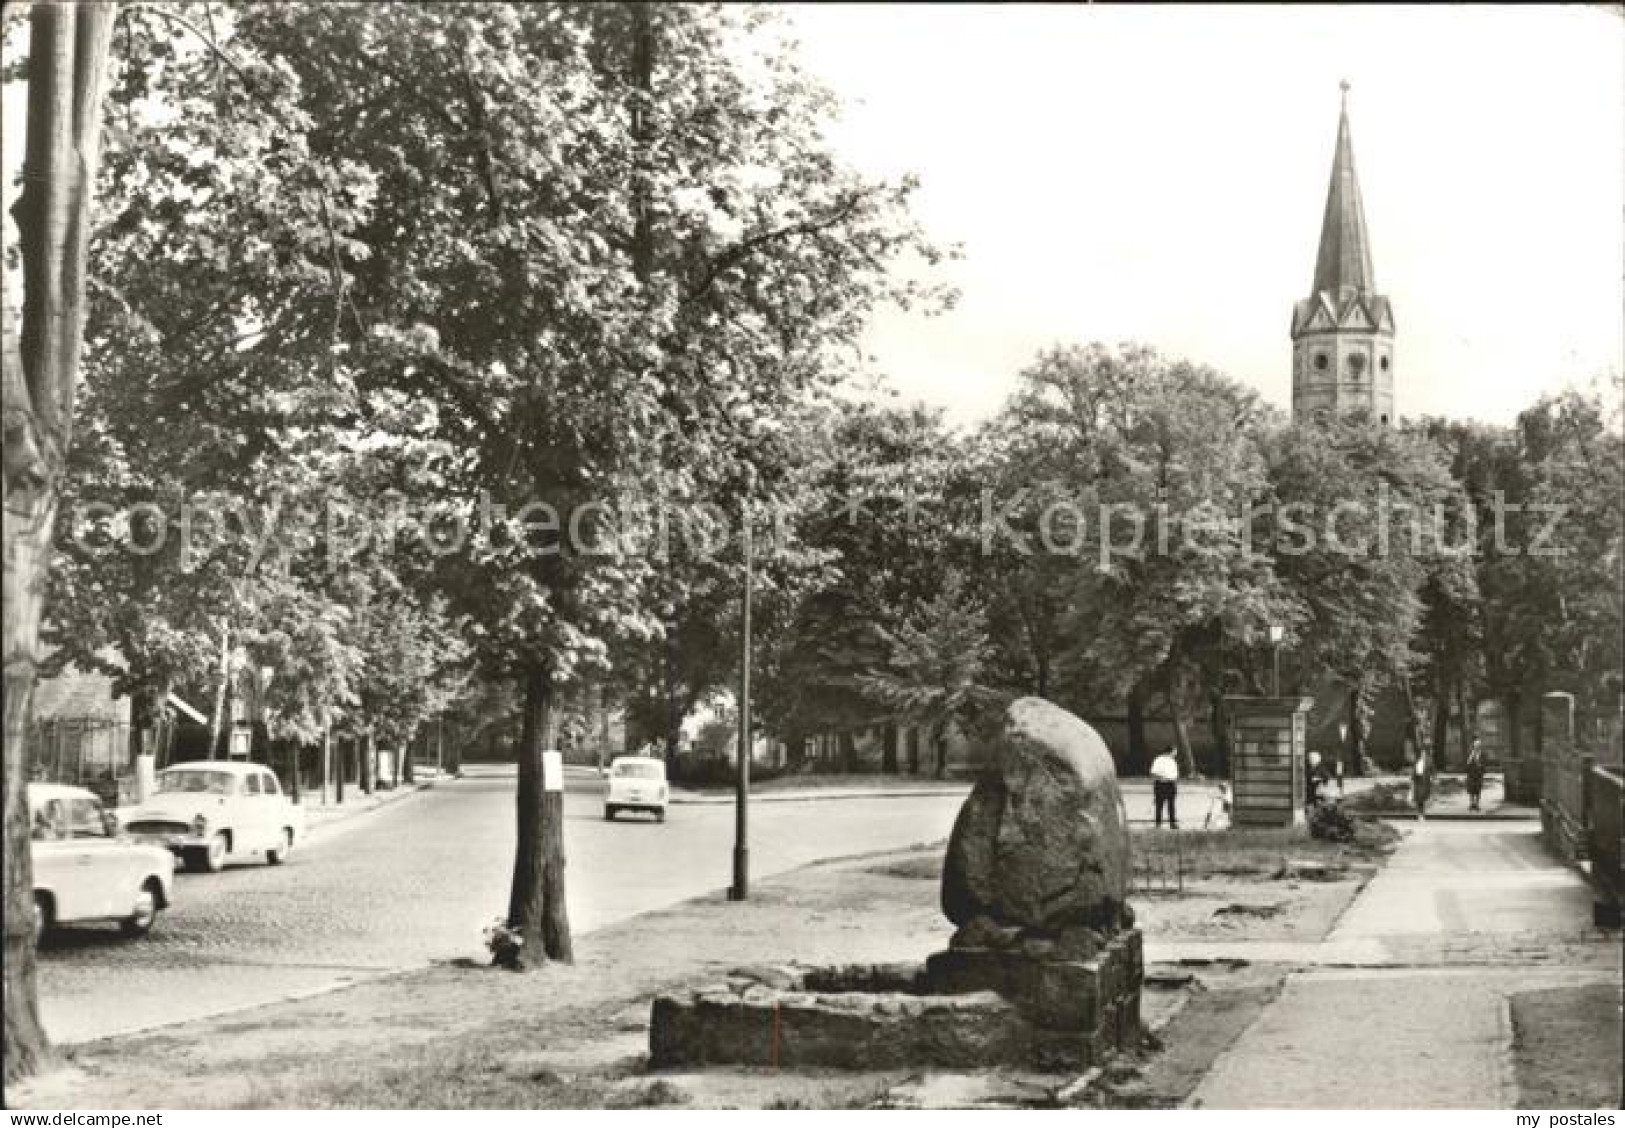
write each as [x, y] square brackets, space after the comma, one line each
[604, 240]
[1363, 517]
[211, 388]
[67, 61]
[1573, 528]
[881, 519]
[1132, 477]
[936, 666]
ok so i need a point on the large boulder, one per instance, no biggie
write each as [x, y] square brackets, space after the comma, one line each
[1042, 841]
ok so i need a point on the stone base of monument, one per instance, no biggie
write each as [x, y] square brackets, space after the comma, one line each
[967, 1008]
[1098, 996]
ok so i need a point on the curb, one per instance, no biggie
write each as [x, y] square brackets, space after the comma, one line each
[694, 799]
[396, 795]
[1452, 816]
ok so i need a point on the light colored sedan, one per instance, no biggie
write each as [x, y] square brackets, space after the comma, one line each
[209, 812]
[84, 871]
[636, 783]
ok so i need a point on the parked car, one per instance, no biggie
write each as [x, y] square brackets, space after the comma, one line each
[210, 812]
[84, 870]
[636, 783]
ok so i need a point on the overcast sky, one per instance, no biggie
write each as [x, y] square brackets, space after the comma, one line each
[1159, 173]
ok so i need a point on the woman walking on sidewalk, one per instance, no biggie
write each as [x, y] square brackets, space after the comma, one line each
[1475, 775]
[1421, 784]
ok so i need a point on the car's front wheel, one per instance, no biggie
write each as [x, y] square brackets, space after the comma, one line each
[278, 854]
[210, 858]
[144, 914]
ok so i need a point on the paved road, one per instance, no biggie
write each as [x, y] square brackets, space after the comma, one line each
[417, 881]
[1464, 917]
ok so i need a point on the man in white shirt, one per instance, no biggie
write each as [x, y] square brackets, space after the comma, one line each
[1165, 786]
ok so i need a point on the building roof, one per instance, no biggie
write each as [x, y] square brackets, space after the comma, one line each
[1343, 265]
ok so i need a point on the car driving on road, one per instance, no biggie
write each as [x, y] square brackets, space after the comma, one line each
[84, 870]
[636, 783]
[213, 811]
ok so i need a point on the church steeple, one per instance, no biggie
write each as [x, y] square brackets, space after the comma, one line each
[1344, 262]
[1343, 333]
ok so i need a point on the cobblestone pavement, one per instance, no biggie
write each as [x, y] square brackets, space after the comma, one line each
[417, 881]
[1465, 915]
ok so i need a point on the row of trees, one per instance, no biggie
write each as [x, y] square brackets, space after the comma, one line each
[1127, 531]
[437, 355]
[452, 264]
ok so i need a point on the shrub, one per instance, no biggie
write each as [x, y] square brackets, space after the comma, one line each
[1330, 823]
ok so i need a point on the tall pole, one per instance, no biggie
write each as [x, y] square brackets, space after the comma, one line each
[741, 885]
[1275, 669]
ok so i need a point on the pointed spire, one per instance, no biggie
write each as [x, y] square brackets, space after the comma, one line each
[1344, 262]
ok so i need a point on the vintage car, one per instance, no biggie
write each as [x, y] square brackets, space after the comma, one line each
[209, 812]
[85, 871]
[636, 783]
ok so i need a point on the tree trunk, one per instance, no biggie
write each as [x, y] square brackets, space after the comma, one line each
[406, 767]
[1441, 721]
[1354, 751]
[296, 753]
[454, 756]
[369, 763]
[67, 64]
[1138, 759]
[913, 749]
[146, 712]
[1219, 725]
[341, 766]
[849, 752]
[939, 743]
[1182, 740]
[1469, 723]
[888, 750]
[536, 908]
[1511, 722]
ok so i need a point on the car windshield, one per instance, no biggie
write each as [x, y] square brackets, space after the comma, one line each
[639, 771]
[199, 782]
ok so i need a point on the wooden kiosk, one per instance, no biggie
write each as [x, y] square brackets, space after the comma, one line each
[1268, 759]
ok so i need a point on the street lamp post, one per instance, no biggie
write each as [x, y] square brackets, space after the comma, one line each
[1276, 634]
[741, 886]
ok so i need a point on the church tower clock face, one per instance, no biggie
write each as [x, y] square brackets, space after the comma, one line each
[1343, 331]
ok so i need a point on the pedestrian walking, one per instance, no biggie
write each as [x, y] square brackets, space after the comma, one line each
[1314, 780]
[1421, 784]
[1165, 787]
[1475, 775]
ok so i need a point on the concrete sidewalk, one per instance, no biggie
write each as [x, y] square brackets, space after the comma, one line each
[1406, 1002]
[319, 815]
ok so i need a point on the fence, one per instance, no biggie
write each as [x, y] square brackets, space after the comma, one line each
[1579, 798]
[1158, 863]
[87, 752]
[1603, 800]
